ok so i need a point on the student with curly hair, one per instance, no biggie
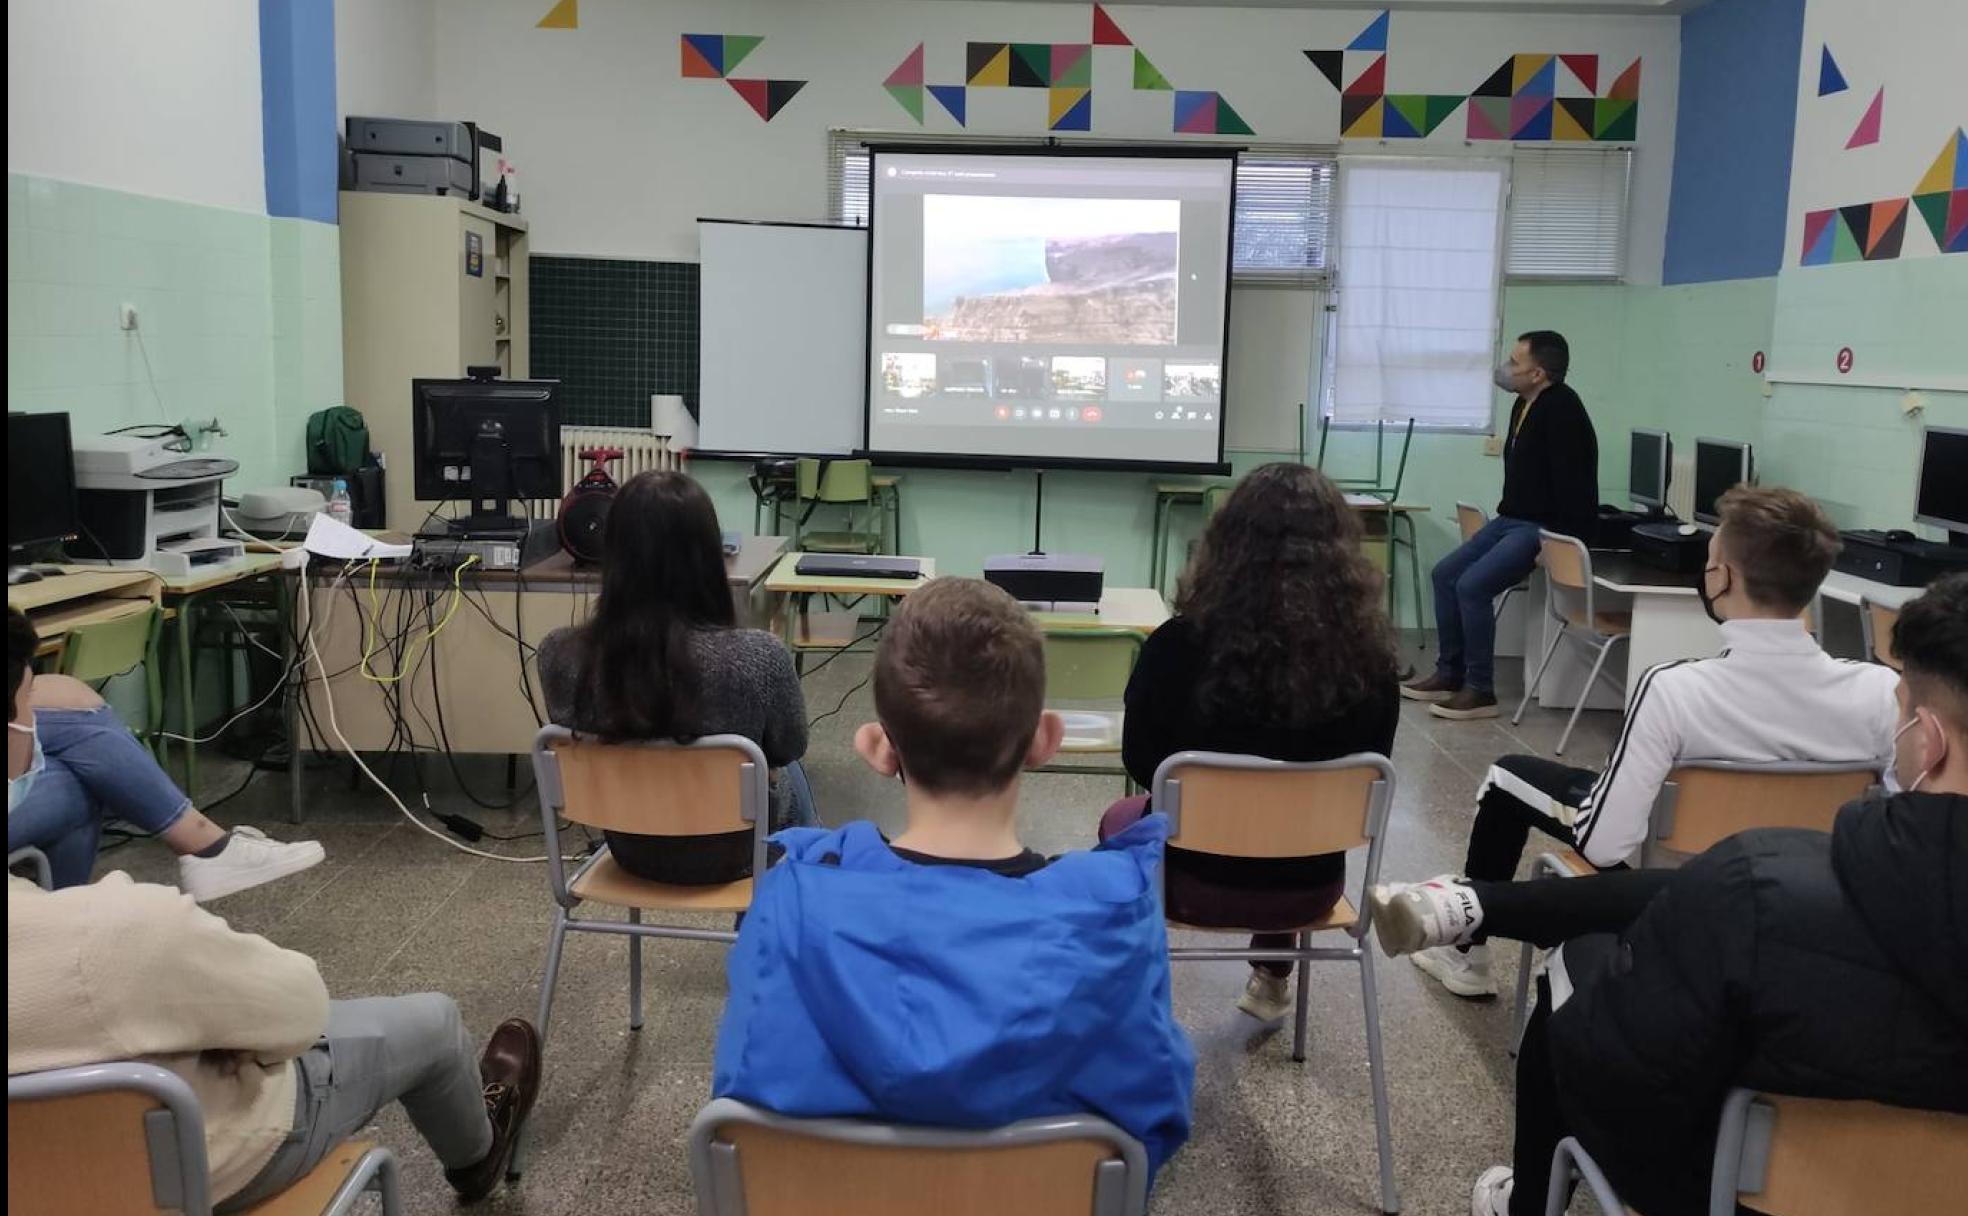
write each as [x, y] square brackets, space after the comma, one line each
[1279, 648]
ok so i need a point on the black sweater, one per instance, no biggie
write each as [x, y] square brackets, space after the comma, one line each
[1165, 716]
[1830, 966]
[1551, 465]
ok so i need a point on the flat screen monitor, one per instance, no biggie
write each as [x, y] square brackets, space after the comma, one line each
[40, 480]
[1942, 499]
[1720, 466]
[1652, 454]
[486, 441]
[1051, 309]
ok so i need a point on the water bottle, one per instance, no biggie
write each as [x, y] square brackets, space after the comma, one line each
[340, 508]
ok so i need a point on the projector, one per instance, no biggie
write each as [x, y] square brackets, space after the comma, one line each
[1047, 578]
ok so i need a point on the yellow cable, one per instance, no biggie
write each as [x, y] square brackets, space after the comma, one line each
[409, 663]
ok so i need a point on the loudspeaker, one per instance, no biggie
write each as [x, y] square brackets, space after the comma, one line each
[584, 512]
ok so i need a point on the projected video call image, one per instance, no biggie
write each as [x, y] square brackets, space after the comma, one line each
[1066, 270]
[1079, 377]
[1192, 381]
[909, 375]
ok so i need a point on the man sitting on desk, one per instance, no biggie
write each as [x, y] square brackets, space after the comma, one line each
[1550, 480]
[1771, 695]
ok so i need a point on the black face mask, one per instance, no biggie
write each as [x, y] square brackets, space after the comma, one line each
[1708, 601]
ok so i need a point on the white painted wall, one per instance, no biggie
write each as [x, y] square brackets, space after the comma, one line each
[619, 154]
[385, 58]
[153, 98]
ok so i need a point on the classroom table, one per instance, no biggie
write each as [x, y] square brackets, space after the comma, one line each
[78, 596]
[1399, 517]
[183, 598]
[806, 630]
[474, 687]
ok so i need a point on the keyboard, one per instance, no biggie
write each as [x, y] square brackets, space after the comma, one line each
[855, 565]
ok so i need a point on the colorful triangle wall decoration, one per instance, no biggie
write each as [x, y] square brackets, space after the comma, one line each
[1867, 132]
[1069, 109]
[1105, 32]
[1585, 68]
[736, 47]
[910, 70]
[767, 97]
[703, 56]
[1147, 75]
[909, 97]
[566, 15]
[1374, 37]
[1830, 79]
[953, 98]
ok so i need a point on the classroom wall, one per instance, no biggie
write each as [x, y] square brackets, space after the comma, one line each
[387, 65]
[140, 170]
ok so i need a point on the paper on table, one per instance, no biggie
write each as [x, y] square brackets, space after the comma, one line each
[331, 538]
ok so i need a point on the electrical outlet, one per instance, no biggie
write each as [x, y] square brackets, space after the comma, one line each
[1492, 445]
[126, 316]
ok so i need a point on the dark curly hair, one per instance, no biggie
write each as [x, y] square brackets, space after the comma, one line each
[1285, 604]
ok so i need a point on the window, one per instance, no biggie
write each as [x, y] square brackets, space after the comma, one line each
[1419, 245]
[1284, 199]
[1568, 213]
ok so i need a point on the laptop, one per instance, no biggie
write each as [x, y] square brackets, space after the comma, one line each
[857, 565]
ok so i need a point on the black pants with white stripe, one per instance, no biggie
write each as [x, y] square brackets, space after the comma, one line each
[1504, 821]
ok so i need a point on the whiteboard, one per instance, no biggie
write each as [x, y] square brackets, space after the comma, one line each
[783, 341]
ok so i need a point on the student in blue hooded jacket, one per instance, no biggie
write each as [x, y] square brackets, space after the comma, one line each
[952, 976]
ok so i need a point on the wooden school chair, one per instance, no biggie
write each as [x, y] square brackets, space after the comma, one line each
[1570, 601]
[750, 1162]
[710, 786]
[838, 483]
[1876, 622]
[1704, 802]
[1786, 1156]
[94, 653]
[125, 1138]
[1249, 807]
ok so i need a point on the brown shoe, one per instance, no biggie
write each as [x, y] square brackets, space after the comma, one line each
[510, 1068]
[1435, 688]
[1468, 703]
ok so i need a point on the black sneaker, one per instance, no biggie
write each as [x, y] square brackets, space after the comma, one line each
[1435, 688]
[1467, 703]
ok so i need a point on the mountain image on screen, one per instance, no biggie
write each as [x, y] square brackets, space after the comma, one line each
[1066, 270]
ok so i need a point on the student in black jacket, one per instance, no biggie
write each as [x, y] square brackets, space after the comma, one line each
[1550, 480]
[1279, 648]
[1794, 962]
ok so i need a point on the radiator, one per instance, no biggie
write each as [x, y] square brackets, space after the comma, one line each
[642, 450]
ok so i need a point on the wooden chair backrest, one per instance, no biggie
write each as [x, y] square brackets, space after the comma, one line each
[81, 1153]
[1565, 564]
[841, 481]
[787, 1174]
[1273, 813]
[1831, 1158]
[97, 651]
[1470, 518]
[657, 791]
[1882, 619]
[1712, 804]
[1089, 664]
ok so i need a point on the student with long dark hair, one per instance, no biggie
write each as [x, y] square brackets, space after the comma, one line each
[1279, 648]
[662, 658]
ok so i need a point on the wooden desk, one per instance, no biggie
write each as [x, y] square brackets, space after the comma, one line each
[805, 630]
[81, 595]
[744, 572]
[1141, 609]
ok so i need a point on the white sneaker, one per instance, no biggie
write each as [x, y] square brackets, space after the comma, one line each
[1463, 972]
[248, 860]
[1267, 997]
[1491, 1195]
[1408, 916]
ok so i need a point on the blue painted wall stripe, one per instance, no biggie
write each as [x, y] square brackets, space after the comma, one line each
[1732, 140]
[297, 103]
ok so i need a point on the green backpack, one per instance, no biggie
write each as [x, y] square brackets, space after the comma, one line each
[337, 441]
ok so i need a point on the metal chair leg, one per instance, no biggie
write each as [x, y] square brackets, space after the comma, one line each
[1304, 1014]
[635, 972]
[1390, 1201]
[1585, 693]
[1538, 679]
[556, 938]
[1521, 1017]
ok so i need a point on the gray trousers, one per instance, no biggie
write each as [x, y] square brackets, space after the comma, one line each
[408, 1049]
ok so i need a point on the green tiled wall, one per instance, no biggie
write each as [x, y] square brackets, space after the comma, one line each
[239, 317]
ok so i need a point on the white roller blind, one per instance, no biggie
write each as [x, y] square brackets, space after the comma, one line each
[1568, 213]
[1419, 245]
[1284, 198]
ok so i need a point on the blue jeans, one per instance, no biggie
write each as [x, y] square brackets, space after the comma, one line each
[1467, 583]
[96, 771]
[800, 811]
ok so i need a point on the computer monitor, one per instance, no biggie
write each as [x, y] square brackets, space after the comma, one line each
[486, 442]
[1649, 462]
[40, 481]
[1720, 465]
[1942, 498]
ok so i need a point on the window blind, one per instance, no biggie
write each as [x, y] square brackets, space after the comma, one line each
[1568, 213]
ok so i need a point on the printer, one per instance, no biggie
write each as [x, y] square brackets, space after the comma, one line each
[145, 497]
